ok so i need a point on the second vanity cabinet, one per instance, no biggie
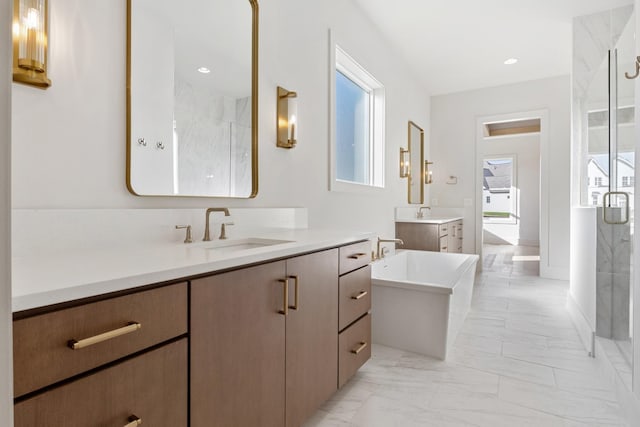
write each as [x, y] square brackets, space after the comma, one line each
[437, 237]
[264, 339]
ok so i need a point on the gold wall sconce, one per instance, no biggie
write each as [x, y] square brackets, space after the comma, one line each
[405, 163]
[428, 175]
[30, 42]
[287, 118]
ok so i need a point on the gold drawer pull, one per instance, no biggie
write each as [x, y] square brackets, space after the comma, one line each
[296, 285]
[363, 345]
[285, 297]
[134, 421]
[357, 256]
[77, 345]
[360, 295]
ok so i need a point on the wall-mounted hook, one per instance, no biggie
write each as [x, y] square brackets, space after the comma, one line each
[637, 70]
[142, 142]
[160, 145]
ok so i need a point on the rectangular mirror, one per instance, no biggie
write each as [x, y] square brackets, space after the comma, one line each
[416, 161]
[192, 98]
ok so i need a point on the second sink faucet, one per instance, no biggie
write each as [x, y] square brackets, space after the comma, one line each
[420, 213]
[207, 237]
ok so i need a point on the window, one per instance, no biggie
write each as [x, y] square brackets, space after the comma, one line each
[357, 143]
[594, 198]
[588, 181]
[598, 181]
[626, 181]
[499, 189]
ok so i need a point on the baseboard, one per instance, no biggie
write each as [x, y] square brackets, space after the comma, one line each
[556, 273]
[628, 401]
[523, 242]
[585, 331]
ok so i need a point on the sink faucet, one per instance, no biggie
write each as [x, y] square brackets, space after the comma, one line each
[381, 253]
[420, 213]
[206, 237]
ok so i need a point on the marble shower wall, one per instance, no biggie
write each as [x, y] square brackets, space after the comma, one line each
[613, 277]
[211, 131]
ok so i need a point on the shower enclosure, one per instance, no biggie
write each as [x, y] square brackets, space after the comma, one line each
[604, 148]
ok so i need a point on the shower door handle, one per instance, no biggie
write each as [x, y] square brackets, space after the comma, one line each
[606, 199]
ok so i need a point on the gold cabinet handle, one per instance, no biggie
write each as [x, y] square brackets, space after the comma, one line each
[134, 421]
[360, 295]
[296, 285]
[78, 344]
[363, 345]
[285, 297]
[358, 255]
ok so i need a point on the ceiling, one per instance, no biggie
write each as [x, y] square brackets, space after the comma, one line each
[451, 51]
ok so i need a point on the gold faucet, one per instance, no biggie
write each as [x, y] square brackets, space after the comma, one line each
[206, 237]
[381, 253]
[420, 213]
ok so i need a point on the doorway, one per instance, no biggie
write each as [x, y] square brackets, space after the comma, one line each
[510, 206]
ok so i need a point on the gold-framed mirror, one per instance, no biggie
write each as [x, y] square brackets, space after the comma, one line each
[192, 98]
[416, 164]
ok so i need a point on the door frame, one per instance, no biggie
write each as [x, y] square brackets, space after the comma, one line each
[546, 269]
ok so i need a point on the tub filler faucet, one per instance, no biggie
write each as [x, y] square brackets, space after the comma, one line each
[382, 251]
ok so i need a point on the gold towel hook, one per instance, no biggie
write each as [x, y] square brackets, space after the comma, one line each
[637, 70]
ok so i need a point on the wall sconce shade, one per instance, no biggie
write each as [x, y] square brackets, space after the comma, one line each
[287, 118]
[428, 175]
[405, 163]
[30, 42]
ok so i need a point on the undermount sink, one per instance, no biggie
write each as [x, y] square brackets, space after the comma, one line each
[233, 245]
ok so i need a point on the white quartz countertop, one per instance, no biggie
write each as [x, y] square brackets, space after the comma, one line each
[46, 279]
[431, 219]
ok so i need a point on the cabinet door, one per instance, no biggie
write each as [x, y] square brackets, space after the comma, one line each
[152, 387]
[312, 334]
[238, 348]
[422, 237]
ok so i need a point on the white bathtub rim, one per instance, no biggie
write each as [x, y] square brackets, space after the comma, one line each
[439, 288]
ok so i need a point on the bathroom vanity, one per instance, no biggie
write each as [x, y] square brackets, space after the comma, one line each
[439, 234]
[261, 335]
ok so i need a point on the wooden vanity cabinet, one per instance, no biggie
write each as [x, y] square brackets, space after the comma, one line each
[354, 330]
[252, 364]
[115, 372]
[445, 237]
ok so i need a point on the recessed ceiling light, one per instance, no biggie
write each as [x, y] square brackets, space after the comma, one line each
[204, 70]
[510, 61]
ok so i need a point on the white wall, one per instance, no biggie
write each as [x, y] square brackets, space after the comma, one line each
[6, 370]
[526, 149]
[75, 157]
[453, 130]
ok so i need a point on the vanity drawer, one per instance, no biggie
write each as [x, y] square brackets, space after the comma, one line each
[444, 229]
[42, 350]
[152, 387]
[354, 349]
[355, 296]
[444, 244]
[354, 256]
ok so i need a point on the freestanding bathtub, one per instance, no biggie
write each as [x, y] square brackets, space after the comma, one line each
[420, 300]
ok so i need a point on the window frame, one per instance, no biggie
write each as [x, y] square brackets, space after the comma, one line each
[341, 61]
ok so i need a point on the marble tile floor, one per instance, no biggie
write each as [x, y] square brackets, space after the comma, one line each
[516, 362]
